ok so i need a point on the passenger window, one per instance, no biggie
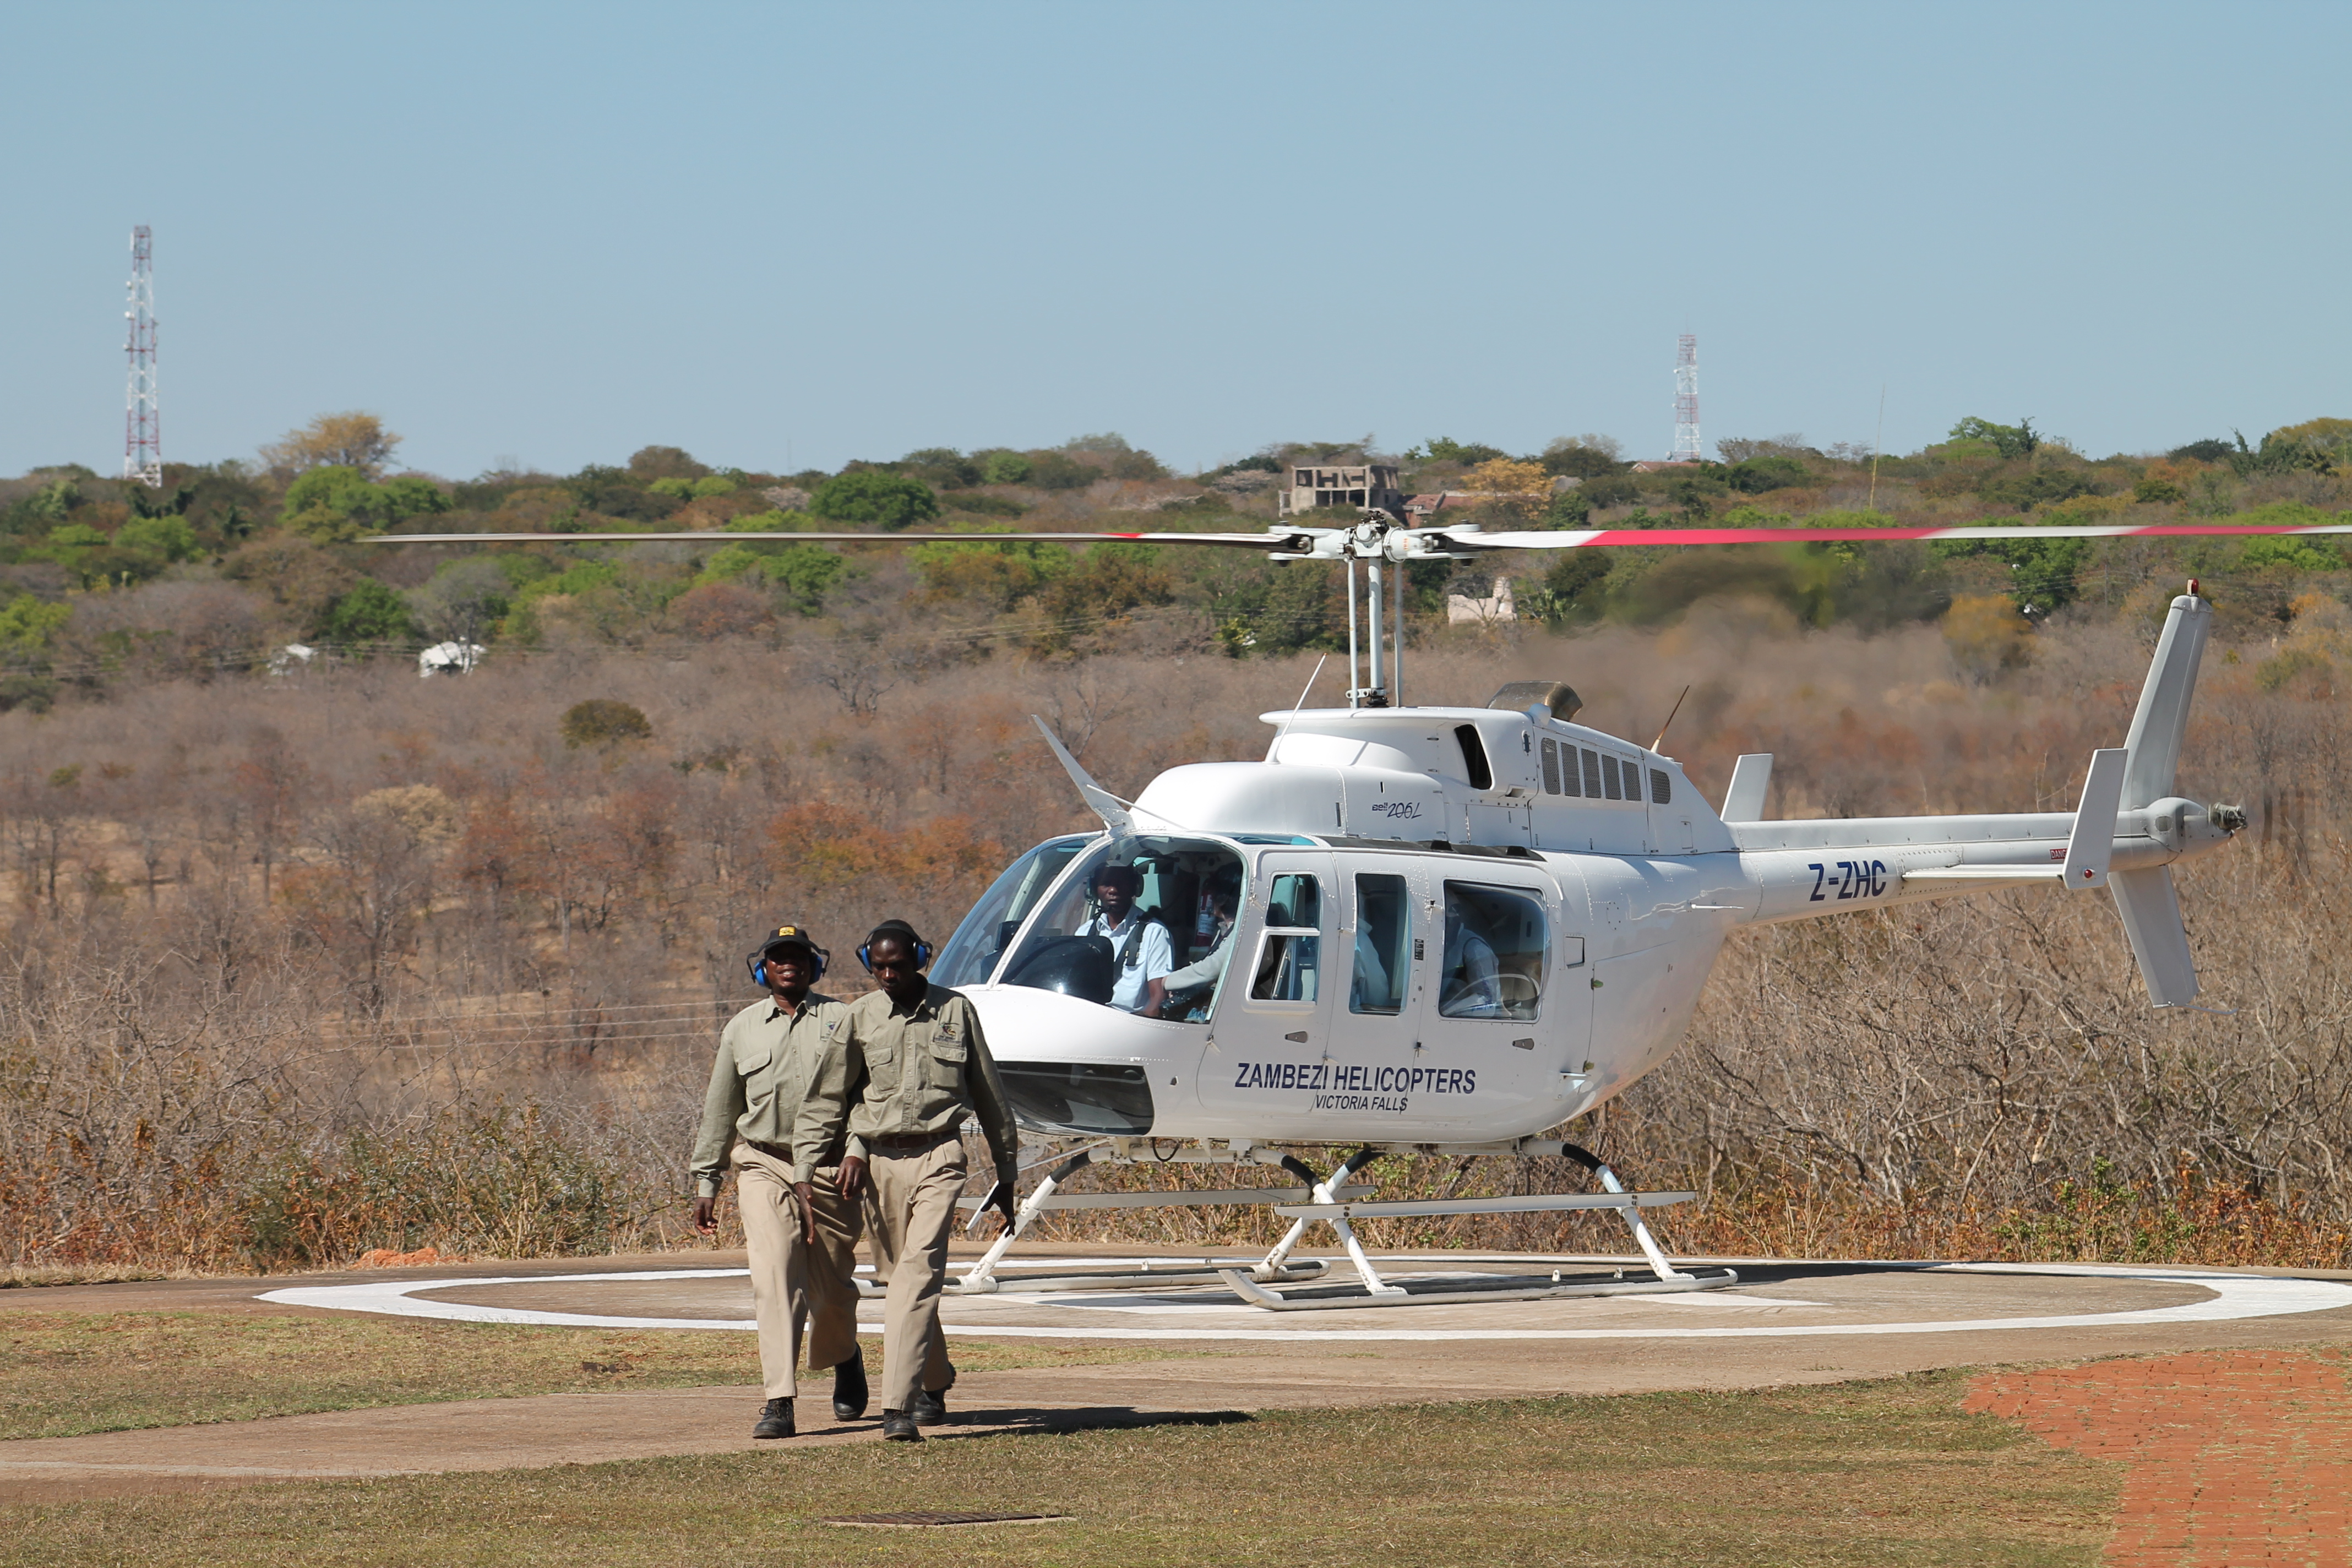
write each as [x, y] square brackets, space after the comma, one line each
[1608, 785]
[1592, 776]
[1495, 943]
[1384, 945]
[1295, 899]
[1290, 960]
[1552, 767]
[1661, 792]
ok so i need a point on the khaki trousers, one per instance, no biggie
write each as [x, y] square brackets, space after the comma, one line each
[794, 1285]
[909, 1202]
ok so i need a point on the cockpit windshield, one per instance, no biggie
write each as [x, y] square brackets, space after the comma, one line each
[1144, 925]
[970, 957]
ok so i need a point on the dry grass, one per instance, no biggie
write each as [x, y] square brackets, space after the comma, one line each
[1870, 1473]
[63, 1374]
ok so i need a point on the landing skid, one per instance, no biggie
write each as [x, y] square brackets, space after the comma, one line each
[1455, 1291]
[1335, 1202]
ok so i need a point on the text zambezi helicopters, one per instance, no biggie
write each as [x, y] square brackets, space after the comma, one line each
[1447, 930]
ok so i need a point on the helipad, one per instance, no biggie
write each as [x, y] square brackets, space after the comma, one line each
[1774, 1301]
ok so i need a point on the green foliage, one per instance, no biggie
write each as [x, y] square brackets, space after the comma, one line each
[683, 490]
[942, 466]
[2152, 491]
[2042, 571]
[1274, 608]
[1445, 449]
[873, 496]
[603, 721]
[1106, 580]
[335, 503]
[168, 537]
[614, 493]
[1053, 471]
[1003, 467]
[999, 575]
[1576, 590]
[1125, 461]
[46, 508]
[2037, 487]
[2300, 552]
[1579, 461]
[1610, 489]
[370, 613]
[1757, 475]
[2315, 445]
[2203, 452]
[806, 573]
[26, 623]
[580, 577]
[1569, 509]
[651, 465]
[2017, 440]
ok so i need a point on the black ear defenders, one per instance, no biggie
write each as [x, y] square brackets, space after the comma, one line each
[901, 929]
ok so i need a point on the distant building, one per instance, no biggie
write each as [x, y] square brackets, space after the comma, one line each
[1358, 485]
[1461, 608]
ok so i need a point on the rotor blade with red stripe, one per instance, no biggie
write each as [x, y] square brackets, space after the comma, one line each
[1577, 538]
[1295, 539]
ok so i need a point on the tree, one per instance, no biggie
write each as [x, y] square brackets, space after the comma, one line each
[1517, 488]
[650, 463]
[1757, 475]
[1587, 457]
[26, 623]
[352, 441]
[1469, 453]
[1002, 467]
[336, 503]
[2017, 440]
[169, 537]
[461, 601]
[891, 501]
[370, 613]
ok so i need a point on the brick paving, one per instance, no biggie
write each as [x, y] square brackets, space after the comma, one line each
[2236, 1457]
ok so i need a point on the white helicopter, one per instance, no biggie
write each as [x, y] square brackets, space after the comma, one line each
[1444, 930]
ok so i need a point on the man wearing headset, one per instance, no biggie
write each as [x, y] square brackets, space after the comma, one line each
[803, 1241]
[907, 1065]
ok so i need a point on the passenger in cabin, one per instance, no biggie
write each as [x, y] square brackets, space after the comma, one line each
[1191, 989]
[1470, 987]
[1142, 953]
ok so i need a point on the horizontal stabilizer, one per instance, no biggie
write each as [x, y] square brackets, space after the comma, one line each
[2152, 920]
[2093, 842]
[1927, 875]
[1751, 776]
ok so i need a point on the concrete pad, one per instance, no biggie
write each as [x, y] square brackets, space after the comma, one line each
[1786, 1323]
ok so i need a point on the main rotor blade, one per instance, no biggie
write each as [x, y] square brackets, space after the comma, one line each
[1582, 538]
[1295, 539]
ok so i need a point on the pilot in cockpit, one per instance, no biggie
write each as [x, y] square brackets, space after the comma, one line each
[1142, 953]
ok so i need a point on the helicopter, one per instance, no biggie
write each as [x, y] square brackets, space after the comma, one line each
[1448, 931]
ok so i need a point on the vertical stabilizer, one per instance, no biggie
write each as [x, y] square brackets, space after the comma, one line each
[1751, 778]
[2152, 920]
[2154, 744]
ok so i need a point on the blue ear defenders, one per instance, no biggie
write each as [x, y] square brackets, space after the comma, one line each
[759, 962]
[922, 949]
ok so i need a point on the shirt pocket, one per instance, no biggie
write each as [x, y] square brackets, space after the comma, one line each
[946, 1059]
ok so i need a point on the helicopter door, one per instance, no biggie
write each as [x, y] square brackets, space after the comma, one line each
[1504, 1007]
[1269, 1033]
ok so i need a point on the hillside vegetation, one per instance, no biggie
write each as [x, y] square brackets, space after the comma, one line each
[306, 962]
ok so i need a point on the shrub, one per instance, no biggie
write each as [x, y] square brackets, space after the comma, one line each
[371, 612]
[875, 496]
[603, 721]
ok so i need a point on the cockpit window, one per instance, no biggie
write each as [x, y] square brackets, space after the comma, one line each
[1143, 925]
[971, 955]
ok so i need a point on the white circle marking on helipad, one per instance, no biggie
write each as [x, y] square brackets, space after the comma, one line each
[2233, 1297]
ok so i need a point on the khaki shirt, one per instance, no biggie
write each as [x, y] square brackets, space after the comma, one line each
[766, 1057]
[902, 1073]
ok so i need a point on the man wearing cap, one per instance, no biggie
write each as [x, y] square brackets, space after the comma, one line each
[802, 1238]
[907, 1065]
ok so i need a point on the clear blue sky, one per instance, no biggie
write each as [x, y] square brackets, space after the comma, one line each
[799, 234]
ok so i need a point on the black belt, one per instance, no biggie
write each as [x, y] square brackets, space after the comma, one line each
[914, 1143]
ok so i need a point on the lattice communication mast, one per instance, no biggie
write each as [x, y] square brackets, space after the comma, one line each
[142, 425]
[1686, 447]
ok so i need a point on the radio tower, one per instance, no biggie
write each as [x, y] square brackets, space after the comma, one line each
[1686, 447]
[143, 426]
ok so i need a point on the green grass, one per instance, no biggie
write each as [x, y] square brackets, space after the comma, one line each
[62, 1373]
[1873, 1473]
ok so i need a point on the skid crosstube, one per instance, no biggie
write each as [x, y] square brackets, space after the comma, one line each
[1458, 1289]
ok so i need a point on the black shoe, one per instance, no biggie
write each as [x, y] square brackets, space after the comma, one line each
[897, 1426]
[849, 1387]
[929, 1410]
[775, 1420]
